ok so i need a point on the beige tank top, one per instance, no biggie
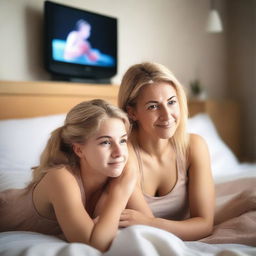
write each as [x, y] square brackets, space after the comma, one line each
[174, 205]
[18, 213]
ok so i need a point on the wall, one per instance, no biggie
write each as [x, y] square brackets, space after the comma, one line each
[171, 32]
[241, 39]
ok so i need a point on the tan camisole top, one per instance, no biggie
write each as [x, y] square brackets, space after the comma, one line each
[18, 212]
[174, 205]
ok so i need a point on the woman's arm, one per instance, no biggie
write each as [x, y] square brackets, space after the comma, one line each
[137, 200]
[201, 199]
[65, 196]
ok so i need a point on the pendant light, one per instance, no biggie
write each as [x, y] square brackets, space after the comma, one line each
[214, 24]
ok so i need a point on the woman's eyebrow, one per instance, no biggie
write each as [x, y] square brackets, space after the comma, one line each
[155, 101]
[109, 137]
[172, 97]
[151, 101]
[103, 137]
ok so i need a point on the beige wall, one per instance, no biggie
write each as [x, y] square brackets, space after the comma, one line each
[171, 32]
[168, 31]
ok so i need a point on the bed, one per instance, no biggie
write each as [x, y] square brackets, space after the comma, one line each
[29, 111]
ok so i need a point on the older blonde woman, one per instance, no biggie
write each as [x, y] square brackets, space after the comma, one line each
[175, 166]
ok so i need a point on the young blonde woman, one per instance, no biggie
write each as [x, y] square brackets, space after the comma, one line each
[175, 166]
[80, 187]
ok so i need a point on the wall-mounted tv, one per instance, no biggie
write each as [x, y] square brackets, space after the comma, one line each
[79, 43]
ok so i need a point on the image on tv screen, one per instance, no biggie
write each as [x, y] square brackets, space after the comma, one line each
[82, 37]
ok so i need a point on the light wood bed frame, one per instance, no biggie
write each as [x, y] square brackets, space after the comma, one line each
[31, 99]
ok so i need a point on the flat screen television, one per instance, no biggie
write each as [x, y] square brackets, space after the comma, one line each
[79, 44]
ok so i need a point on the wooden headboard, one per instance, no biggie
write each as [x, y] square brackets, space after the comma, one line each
[31, 99]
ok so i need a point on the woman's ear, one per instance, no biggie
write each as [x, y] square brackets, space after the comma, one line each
[131, 113]
[77, 148]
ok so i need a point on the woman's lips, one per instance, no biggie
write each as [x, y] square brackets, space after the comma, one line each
[116, 163]
[166, 125]
[119, 162]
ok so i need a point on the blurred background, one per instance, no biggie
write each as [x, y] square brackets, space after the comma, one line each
[172, 32]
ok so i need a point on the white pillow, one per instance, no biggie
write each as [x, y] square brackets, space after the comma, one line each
[22, 140]
[223, 159]
[14, 179]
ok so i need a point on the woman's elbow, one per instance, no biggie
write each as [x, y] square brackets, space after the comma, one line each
[207, 229]
[100, 243]
[94, 240]
[101, 248]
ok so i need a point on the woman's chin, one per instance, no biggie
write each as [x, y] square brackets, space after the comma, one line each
[116, 173]
[166, 134]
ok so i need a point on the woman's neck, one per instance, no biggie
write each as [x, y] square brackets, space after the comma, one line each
[92, 182]
[154, 147]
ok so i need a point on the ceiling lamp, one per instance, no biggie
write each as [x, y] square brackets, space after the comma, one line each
[214, 24]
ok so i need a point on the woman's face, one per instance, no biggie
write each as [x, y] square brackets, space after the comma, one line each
[157, 110]
[106, 151]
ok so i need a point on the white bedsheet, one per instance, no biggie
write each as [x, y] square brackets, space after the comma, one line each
[133, 241]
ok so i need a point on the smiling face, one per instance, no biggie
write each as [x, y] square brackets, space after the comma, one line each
[157, 110]
[105, 152]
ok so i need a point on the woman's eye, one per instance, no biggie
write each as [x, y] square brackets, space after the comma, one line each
[171, 102]
[123, 141]
[105, 142]
[152, 107]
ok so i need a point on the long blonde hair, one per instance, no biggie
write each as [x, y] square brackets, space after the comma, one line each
[141, 75]
[81, 122]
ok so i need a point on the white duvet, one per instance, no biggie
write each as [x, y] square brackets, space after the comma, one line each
[132, 241]
[28, 137]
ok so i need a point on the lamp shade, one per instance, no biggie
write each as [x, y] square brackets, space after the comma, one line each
[214, 23]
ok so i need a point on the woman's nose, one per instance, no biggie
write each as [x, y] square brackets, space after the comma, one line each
[165, 113]
[116, 150]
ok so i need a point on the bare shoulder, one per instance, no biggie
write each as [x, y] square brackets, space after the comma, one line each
[59, 179]
[60, 173]
[56, 187]
[196, 138]
[197, 142]
[198, 152]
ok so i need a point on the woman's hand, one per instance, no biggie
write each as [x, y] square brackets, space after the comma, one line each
[126, 182]
[131, 217]
[130, 175]
[121, 187]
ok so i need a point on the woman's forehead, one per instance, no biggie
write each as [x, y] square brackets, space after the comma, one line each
[111, 125]
[155, 90]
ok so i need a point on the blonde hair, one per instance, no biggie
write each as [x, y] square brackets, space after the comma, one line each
[141, 75]
[81, 122]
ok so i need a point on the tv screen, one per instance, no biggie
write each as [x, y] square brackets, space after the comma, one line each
[79, 43]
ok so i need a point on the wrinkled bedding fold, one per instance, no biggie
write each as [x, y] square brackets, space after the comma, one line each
[235, 215]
